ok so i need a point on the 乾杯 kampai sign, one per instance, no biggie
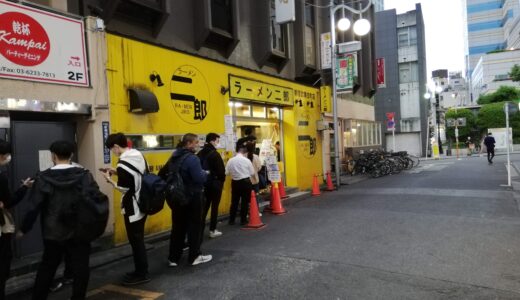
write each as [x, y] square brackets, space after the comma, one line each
[40, 46]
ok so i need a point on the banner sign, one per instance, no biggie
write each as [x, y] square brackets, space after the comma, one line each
[285, 11]
[346, 72]
[326, 101]
[253, 90]
[381, 83]
[390, 121]
[106, 131]
[326, 53]
[36, 45]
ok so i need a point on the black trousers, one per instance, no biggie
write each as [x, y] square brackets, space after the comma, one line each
[240, 191]
[135, 234]
[490, 153]
[186, 220]
[53, 252]
[6, 255]
[212, 193]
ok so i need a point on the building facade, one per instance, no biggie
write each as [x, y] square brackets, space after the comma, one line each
[379, 5]
[492, 71]
[156, 70]
[400, 45]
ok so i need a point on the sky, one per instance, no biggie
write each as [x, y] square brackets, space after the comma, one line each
[443, 22]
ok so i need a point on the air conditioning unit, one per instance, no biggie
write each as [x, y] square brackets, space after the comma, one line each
[322, 125]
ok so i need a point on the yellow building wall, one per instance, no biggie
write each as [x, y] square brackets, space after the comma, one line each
[130, 64]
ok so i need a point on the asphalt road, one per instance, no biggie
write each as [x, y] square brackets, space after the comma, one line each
[446, 230]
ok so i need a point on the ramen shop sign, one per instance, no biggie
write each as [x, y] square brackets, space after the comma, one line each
[40, 46]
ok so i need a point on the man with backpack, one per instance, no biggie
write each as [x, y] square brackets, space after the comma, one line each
[184, 174]
[129, 172]
[212, 162]
[73, 213]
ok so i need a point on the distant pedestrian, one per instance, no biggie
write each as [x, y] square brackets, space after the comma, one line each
[212, 162]
[8, 200]
[129, 184]
[58, 194]
[489, 141]
[241, 169]
[186, 218]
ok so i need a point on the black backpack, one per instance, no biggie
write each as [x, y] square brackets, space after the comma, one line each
[177, 191]
[153, 190]
[92, 210]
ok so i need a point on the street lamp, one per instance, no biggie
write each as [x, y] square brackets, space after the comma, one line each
[361, 27]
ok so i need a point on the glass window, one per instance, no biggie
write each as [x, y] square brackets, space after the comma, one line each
[309, 13]
[277, 31]
[258, 111]
[273, 113]
[310, 57]
[221, 15]
[154, 142]
[243, 110]
[402, 38]
[413, 35]
[404, 73]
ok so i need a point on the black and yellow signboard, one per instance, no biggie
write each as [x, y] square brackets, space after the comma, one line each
[326, 102]
[253, 90]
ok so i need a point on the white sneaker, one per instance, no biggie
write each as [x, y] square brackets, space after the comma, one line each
[171, 263]
[215, 233]
[202, 259]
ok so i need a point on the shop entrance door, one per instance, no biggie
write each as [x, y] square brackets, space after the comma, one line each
[29, 141]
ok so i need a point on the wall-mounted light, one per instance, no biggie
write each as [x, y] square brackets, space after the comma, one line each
[154, 76]
[223, 90]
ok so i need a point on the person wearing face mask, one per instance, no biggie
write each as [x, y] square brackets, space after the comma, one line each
[186, 219]
[212, 162]
[58, 194]
[7, 201]
[129, 184]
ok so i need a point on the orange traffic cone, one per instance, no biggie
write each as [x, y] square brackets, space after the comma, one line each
[276, 203]
[283, 195]
[315, 186]
[330, 186]
[254, 216]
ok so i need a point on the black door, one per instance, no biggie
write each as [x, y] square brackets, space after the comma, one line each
[31, 141]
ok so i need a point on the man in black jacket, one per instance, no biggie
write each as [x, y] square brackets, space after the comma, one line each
[55, 194]
[7, 201]
[489, 141]
[212, 162]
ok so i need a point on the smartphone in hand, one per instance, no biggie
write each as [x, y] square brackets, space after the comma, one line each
[104, 170]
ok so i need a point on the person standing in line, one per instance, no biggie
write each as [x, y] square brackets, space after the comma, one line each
[186, 219]
[489, 141]
[249, 137]
[257, 165]
[241, 169]
[129, 184]
[212, 162]
[8, 200]
[55, 195]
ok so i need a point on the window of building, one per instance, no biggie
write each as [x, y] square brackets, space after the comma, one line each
[408, 72]
[221, 15]
[360, 133]
[278, 37]
[407, 36]
[310, 39]
[217, 25]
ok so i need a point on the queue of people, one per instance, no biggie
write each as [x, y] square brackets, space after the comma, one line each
[53, 195]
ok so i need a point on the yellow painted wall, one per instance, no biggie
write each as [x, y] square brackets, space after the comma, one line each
[130, 64]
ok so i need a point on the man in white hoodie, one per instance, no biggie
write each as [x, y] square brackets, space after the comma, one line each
[129, 169]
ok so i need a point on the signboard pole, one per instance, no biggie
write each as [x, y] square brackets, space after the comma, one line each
[393, 138]
[506, 104]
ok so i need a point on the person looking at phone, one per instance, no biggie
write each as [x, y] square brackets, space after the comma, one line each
[129, 184]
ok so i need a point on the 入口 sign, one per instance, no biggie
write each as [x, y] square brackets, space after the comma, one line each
[41, 46]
